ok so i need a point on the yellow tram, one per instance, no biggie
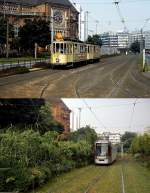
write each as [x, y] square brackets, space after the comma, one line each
[64, 53]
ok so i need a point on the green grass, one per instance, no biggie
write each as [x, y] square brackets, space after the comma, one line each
[102, 179]
[137, 177]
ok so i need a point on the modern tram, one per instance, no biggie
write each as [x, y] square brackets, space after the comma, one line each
[65, 53]
[105, 152]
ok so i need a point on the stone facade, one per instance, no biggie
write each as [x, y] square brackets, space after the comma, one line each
[61, 13]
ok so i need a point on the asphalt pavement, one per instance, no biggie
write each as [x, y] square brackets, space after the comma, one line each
[116, 77]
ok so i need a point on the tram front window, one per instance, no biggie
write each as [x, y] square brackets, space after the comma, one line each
[101, 149]
[57, 47]
[60, 48]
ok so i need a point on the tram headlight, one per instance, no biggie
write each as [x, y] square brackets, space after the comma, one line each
[57, 60]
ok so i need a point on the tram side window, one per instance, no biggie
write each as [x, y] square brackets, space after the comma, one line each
[70, 48]
[75, 48]
[65, 48]
[78, 51]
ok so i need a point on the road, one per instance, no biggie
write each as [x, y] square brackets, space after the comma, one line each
[111, 77]
[124, 176]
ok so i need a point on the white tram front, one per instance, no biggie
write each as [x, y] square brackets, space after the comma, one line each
[105, 152]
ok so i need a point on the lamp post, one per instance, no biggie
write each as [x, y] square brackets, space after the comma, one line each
[4, 8]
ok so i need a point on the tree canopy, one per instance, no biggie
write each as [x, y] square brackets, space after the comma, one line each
[86, 133]
[127, 139]
[95, 39]
[135, 47]
[32, 32]
[22, 117]
[3, 30]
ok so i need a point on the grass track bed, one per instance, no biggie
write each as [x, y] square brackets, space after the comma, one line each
[102, 179]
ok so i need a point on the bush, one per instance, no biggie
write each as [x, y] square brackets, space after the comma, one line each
[140, 148]
[30, 159]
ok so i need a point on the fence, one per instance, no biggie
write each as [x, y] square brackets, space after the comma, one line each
[21, 63]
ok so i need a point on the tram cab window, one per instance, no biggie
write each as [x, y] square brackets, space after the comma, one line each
[53, 50]
[61, 48]
[57, 47]
[101, 149]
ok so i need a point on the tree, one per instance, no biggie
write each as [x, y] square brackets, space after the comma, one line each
[32, 32]
[95, 39]
[45, 122]
[86, 133]
[135, 47]
[141, 144]
[127, 139]
[28, 116]
[3, 32]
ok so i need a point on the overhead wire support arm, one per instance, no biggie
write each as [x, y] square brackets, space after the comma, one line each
[120, 14]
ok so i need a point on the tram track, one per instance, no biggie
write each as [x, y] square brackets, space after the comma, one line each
[109, 76]
[93, 182]
[67, 182]
[118, 85]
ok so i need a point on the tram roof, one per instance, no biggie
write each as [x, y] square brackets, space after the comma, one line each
[102, 141]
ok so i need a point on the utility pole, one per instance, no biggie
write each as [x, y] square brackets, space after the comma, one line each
[7, 29]
[141, 42]
[87, 12]
[86, 18]
[122, 150]
[79, 117]
[7, 39]
[97, 22]
[52, 26]
[4, 8]
[80, 22]
[85, 26]
[72, 121]
[77, 123]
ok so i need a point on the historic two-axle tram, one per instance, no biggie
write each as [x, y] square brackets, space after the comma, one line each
[65, 53]
[105, 152]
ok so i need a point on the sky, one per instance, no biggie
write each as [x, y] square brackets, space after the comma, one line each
[135, 12]
[111, 115]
